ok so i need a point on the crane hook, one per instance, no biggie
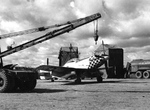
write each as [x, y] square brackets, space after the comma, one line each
[96, 38]
[96, 31]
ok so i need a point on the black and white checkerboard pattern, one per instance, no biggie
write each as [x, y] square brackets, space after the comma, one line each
[94, 61]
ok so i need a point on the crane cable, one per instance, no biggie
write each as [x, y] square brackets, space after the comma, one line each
[96, 31]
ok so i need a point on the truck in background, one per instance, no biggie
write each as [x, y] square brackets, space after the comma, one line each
[140, 68]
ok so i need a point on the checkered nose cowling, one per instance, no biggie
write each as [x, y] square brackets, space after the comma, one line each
[95, 62]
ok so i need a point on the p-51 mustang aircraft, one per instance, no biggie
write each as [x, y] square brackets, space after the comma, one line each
[87, 67]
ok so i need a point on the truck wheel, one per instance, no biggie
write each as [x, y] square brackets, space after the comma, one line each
[27, 85]
[138, 74]
[11, 83]
[4, 81]
[146, 75]
[32, 84]
[14, 84]
[99, 79]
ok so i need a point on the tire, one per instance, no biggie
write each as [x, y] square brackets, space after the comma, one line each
[99, 79]
[11, 84]
[32, 84]
[52, 80]
[14, 84]
[78, 81]
[27, 85]
[146, 74]
[4, 82]
[138, 74]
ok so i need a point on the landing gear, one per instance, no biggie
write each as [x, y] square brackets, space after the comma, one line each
[78, 81]
[99, 76]
[99, 79]
[52, 80]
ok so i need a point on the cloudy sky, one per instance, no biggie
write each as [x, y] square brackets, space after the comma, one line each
[124, 23]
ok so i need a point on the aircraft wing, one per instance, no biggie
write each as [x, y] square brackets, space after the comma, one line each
[58, 70]
[64, 72]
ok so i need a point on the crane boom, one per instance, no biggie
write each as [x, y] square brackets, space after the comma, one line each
[72, 25]
[29, 31]
[39, 29]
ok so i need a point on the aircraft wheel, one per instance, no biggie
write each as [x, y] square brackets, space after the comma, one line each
[138, 74]
[52, 80]
[4, 81]
[78, 81]
[99, 79]
[146, 74]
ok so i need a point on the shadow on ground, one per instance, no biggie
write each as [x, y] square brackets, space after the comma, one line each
[131, 91]
[90, 82]
[40, 90]
[124, 81]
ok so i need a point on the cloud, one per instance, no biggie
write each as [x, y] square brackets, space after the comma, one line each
[9, 41]
[124, 23]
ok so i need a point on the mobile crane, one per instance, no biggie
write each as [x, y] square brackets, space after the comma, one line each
[12, 78]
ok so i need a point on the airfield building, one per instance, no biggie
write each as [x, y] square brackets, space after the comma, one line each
[67, 53]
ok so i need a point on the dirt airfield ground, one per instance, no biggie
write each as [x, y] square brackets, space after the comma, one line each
[112, 94]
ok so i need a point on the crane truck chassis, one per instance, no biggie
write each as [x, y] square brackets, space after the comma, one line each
[13, 78]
